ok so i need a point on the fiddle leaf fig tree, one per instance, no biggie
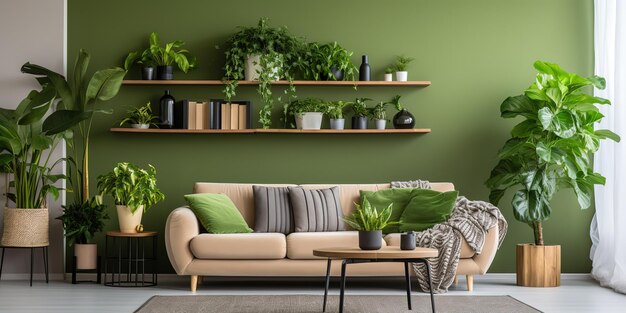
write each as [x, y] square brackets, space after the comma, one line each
[552, 147]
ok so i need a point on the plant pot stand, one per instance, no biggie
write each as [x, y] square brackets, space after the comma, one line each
[98, 270]
[44, 250]
[127, 260]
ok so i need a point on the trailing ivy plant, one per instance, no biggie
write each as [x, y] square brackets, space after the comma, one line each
[552, 147]
[279, 54]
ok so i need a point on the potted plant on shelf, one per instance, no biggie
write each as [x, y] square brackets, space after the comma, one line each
[403, 119]
[145, 59]
[402, 64]
[370, 223]
[140, 117]
[163, 57]
[552, 148]
[307, 112]
[378, 113]
[359, 107]
[335, 112]
[24, 154]
[327, 62]
[389, 74]
[134, 190]
[265, 54]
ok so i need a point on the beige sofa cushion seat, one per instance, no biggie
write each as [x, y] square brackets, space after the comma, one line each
[466, 251]
[253, 246]
[300, 246]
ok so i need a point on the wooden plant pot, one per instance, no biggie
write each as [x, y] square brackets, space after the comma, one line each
[538, 266]
[25, 228]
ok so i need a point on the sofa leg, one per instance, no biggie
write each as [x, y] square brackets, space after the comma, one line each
[470, 282]
[456, 280]
[194, 283]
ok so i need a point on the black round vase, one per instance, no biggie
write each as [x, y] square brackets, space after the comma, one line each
[370, 239]
[147, 73]
[403, 120]
[165, 72]
[337, 73]
[359, 122]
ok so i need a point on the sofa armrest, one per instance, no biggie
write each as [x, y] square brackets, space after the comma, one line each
[180, 228]
[485, 258]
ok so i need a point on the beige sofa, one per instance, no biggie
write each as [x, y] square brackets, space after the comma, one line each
[274, 254]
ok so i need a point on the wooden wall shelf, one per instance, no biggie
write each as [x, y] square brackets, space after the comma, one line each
[271, 131]
[282, 82]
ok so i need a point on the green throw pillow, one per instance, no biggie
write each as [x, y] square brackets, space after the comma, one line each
[427, 208]
[217, 213]
[397, 197]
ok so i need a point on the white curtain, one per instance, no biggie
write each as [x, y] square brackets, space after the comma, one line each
[608, 228]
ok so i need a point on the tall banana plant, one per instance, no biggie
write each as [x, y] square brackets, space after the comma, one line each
[552, 147]
[79, 99]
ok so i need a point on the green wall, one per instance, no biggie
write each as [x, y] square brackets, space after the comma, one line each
[476, 53]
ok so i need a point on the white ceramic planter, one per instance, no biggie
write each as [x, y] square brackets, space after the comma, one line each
[381, 124]
[86, 256]
[388, 77]
[338, 123]
[253, 68]
[402, 76]
[140, 126]
[129, 221]
[309, 120]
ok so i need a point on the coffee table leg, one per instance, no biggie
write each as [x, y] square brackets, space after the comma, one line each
[430, 284]
[327, 283]
[408, 284]
[343, 285]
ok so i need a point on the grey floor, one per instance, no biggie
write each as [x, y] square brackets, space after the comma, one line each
[577, 293]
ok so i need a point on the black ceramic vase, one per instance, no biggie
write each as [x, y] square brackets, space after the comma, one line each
[147, 73]
[166, 110]
[403, 120]
[364, 70]
[165, 72]
[370, 239]
[359, 122]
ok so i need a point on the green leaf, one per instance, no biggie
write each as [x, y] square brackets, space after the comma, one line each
[58, 81]
[518, 105]
[38, 107]
[78, 78]
[524, 129]
[62, 120]
[104, 84]
[546, 115]
[597, 81]
[605, 133]
[41, 143]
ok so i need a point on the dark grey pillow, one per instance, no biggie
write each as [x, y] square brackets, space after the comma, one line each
[273, 213]
[316, 209]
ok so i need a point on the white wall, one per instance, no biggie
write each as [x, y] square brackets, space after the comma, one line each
[31, 31]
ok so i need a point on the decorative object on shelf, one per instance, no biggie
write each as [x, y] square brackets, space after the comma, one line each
[407, 241]
[378, 113]
[551, 148]
[389, 74]
[134, 190]
[278, 53]
[326, 62]
[403, 119]
[402, 64]
[144, 58]
[307, 112]
[140, 117]
[334, 110]
[369, 222]
[359, 120]
[364, 70]
[166, 110]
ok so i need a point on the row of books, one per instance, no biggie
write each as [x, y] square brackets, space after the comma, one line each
[214, 114]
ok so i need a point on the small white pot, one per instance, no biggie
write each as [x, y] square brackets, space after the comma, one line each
[388, 77]
[309, 120]
[402, 76]
[253, 68]
[86, 256]
[140, 126]
[381, 124]
[337, 123]
[129, 221]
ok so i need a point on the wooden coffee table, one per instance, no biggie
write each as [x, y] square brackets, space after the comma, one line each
[386, 254]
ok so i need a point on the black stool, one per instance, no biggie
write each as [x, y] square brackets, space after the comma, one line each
[32, 260]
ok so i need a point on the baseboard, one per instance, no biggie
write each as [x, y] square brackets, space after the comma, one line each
[36, 276]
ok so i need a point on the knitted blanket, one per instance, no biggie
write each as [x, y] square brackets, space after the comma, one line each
[469, 220]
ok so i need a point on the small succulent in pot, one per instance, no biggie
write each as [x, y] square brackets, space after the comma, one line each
[370, 222]
[389, 74]
[402, 63]
[141, 117]
[378, 113]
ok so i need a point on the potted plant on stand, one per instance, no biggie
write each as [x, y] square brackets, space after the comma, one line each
[370, 223]
[359, 119]
[134, 190]
[402, 63]
[140, 117]
[378, 113]
[551, 148]
[335, 112]
[327, 62]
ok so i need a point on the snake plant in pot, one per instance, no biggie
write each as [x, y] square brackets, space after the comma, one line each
[369, 221]
[550, 149]
[134, 190]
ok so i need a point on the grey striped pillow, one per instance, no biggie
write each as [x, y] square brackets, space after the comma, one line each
[272, 209]
[316, 210]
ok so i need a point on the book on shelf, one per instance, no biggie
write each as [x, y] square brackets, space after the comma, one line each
[234, 115]
[191, 115]
[215, 117]
[212, 114]
[180, 114]
[202, 118]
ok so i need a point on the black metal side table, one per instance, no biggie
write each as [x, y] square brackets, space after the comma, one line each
[127, 262]
[44, 250]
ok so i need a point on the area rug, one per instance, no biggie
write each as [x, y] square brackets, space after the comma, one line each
[313, 304]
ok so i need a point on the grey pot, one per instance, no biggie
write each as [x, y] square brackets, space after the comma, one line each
[359, 122]
[380, 124]
[337, 123]
[147, 73]
[407, 241]
[370, 239]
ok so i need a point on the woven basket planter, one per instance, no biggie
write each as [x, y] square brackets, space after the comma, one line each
[25, 228]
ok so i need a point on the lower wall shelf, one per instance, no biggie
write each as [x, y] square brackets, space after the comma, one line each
[271, 131]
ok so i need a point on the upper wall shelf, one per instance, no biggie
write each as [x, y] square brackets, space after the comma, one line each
[271, 131]
[282, 82]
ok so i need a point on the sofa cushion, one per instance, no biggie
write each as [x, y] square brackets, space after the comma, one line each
[253, 246]
[217, 213]
[466, 250]
[426, 209]
[381, 199]
[300, 245]
[273, 213]
[316, 210]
